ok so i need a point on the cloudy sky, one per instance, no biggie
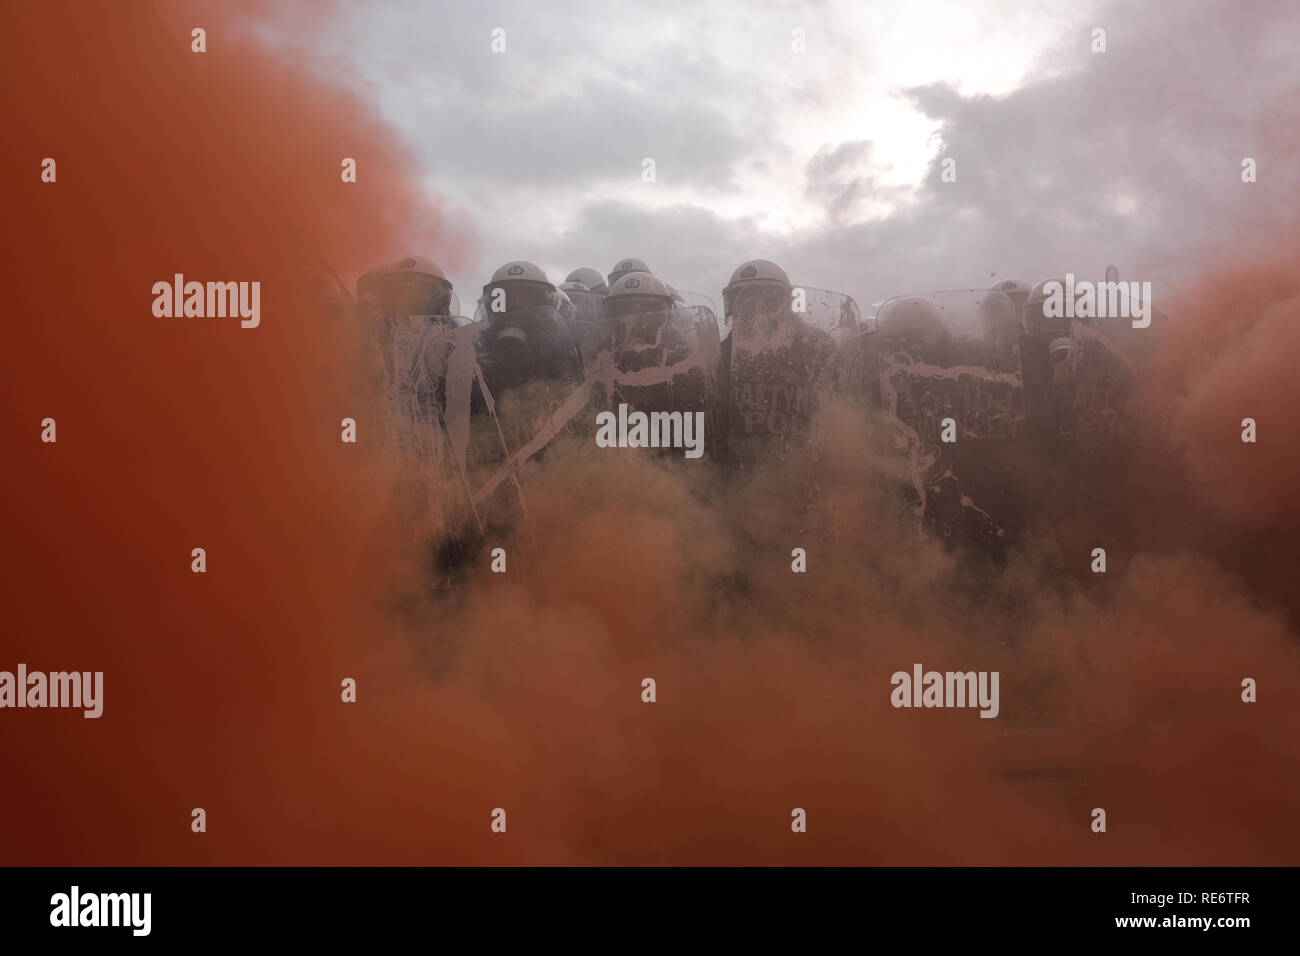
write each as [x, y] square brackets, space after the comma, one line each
[828, 160]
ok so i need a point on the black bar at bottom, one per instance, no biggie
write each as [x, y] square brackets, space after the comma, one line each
[664, 906]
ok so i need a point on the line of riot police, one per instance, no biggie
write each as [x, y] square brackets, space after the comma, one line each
[971, 384]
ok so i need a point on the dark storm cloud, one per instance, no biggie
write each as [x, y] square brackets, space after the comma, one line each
[841, 179]
[1133, 156]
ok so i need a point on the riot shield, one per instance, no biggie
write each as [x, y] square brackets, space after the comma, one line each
[425, 363]
[695, 322]
[838, 315]
[1077, 386]
[661, 361]
[1097, 378]
[591, 338]
[780, 366]
[952, 394]
[685, 299]
[465, 407]
[1085, 417]
[530, 389]
[1136, 344]
[834, 313]
[588, 305]
[978, 405]
[697, 300]
[585, 324]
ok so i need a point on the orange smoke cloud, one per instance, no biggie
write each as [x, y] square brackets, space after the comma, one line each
[523, 691]
[183, 432]
[1236, 348]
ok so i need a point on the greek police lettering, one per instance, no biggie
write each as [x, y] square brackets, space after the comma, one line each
[655, 430]
[216, 300]
[58, 689]
[103, 909]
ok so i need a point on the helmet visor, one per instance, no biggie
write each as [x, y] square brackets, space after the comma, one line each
[412, 294]
[517, 296]
[620, 306]
[748, 303]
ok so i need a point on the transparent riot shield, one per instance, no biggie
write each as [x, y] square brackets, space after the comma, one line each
[1116, 328]
[838, 315]
[1077, 385]
[834, 313]
[782, 361]
[952, 396]
[588, 305]
[585, 324]
[695, 322]
[1078, 400]
[661, 361]
[591, 338]
[1096, 379]
[977, 404]
[685, 299]
[697, 300]
[530, 389]
[424, 363]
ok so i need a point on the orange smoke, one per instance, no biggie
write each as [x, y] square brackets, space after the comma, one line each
[181, 433]
[1236, 350]
[524, 692]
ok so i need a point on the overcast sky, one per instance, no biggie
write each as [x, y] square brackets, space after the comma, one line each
[828, 161]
